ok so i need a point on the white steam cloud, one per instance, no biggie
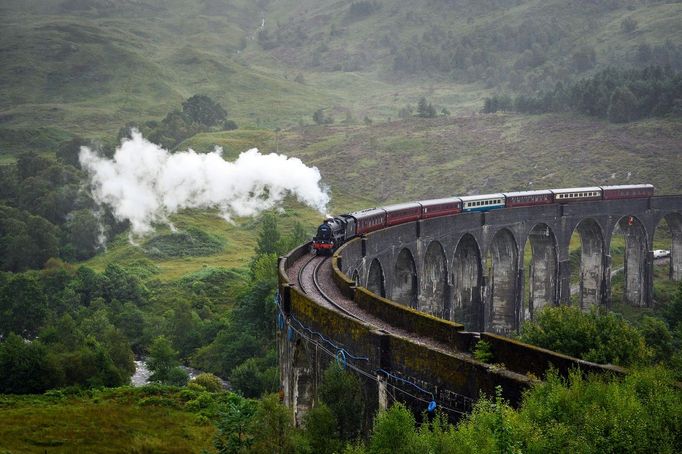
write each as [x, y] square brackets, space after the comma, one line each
[144, 183]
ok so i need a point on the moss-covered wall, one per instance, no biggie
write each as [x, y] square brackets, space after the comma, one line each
[342, 281]
[420, 324]
[529, 359]
[356, 337]
[456, 373]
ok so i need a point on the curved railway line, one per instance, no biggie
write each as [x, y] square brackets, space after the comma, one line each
[320, 261]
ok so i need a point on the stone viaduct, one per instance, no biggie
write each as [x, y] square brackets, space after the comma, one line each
[443, 284]
[469, 268]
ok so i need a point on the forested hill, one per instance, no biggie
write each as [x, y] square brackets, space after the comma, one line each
[90, 66]
[522, 44]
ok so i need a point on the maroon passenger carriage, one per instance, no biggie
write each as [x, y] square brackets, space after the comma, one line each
[401, 213]
[440, 207]
[631, 191]
[528, 198]
[369, 220]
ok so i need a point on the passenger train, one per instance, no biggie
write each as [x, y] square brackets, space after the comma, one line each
[337, 230]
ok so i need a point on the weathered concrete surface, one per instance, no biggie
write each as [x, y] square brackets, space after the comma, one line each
[434, 295]
[543, 270]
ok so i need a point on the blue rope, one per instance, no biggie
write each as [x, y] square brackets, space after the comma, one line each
[333, 344]
[341, 358]
[395, 377]
[317, 333]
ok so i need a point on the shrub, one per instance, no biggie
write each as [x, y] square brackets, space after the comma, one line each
[192, 242]
[483, 352]
[394, 432]
[590, 336]
[209, 382]
[341, 392]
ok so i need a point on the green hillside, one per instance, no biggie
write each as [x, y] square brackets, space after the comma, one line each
[89, 71]
[505, 43]
[90, 66]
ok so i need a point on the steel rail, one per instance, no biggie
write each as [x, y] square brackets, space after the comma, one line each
[300, 273]
[324, 295]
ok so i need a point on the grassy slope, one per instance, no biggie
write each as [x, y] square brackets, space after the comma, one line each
[484, 153]
[240, 242]
[90, 73]
[108, 422]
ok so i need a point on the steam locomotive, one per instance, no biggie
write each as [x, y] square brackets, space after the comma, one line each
[335, 231]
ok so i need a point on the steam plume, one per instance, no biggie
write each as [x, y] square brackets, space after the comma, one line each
[144, 183]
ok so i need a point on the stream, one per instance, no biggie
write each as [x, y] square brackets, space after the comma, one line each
[142, 373]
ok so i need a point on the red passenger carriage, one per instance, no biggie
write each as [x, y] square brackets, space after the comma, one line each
[631, 191]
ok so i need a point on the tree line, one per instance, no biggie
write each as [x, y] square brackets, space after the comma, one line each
[615, 94]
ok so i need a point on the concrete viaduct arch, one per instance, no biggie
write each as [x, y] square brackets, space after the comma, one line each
[469, 268]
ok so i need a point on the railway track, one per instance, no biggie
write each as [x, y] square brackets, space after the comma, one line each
[318, 287]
